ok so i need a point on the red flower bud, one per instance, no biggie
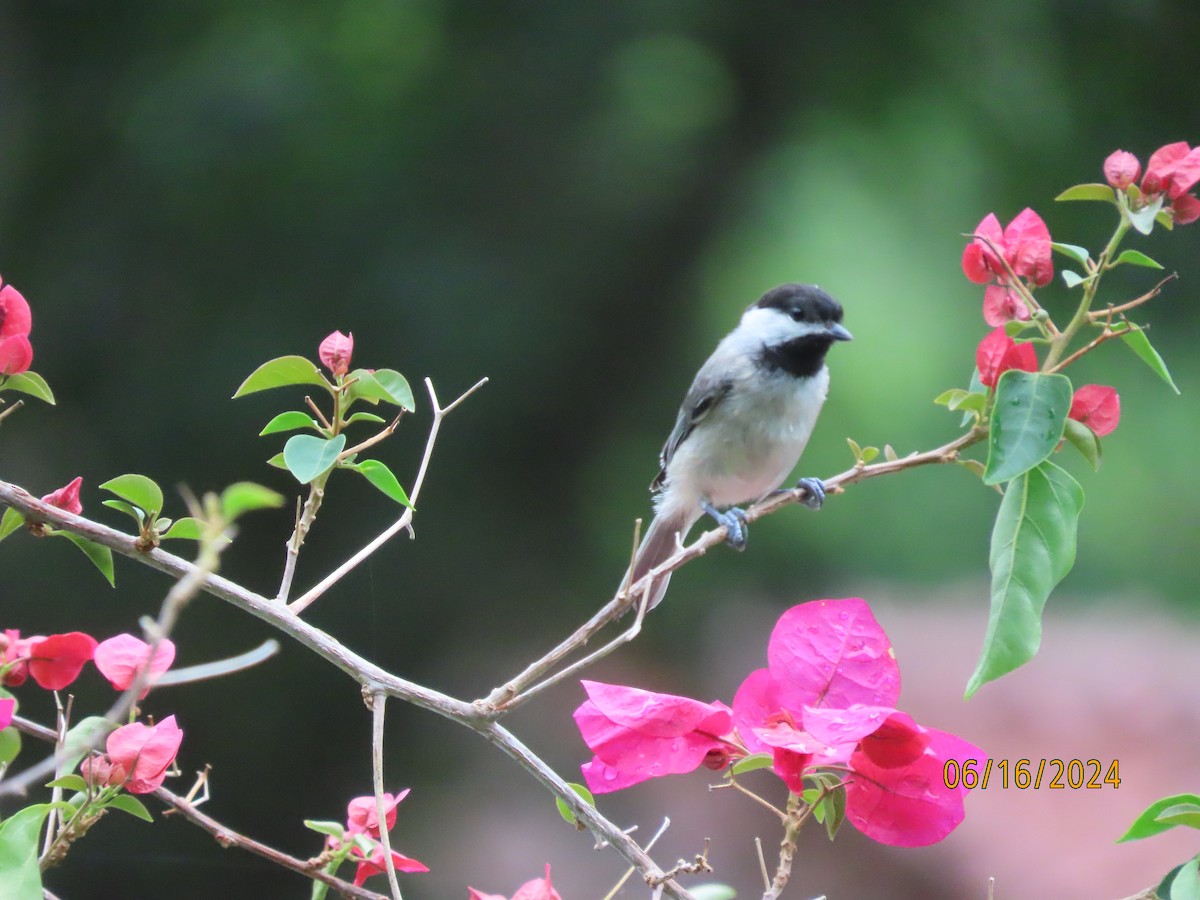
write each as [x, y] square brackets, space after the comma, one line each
[1121, 169]
[67, 497]
[335, 352]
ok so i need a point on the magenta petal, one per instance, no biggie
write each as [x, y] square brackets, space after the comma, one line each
[832, 653]
[849, 725]
[1027, 242]
[657, 715]
[15, 317]
[7, 705]
[755, 701]
[910, 806]
[601, 778]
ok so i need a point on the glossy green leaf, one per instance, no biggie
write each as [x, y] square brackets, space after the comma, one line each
[277, 461]
[365, 417]
[30, 383]
[712, 892]
[387, 385]
[281, 372]
[10, 522]
[975, 387]
[1085, 441]
[289, 421]
[70, 782]
[1027, 422]
[138, 490]
[1074, 251]
[130, 804]
[1187, 814]
[1088, 192]
[1136, 258]
[1032, 550]
[752, 762]
[308, 457]
[128, 508]
[835, 811]
[246, 496]
[10, 745]
[333, 829]
[1148, 823]
[20, 877]
[187, 528]
[1182, 883]
[383, 479]
[1143, 219]
[1135, 337]
[100, 556]
[565, 811]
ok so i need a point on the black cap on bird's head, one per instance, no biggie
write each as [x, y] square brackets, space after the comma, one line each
[806, 303]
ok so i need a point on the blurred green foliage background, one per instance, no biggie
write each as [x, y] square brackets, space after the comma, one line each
[575, 200]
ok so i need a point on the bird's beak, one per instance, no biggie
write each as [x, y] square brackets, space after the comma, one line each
[838, 333]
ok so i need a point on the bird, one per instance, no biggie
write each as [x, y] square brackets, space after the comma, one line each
[744, 423]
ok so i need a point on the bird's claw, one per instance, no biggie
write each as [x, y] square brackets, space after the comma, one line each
[814, 492]
[737, 530]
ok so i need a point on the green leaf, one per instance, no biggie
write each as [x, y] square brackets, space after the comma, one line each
[565, 811]
[975, 387]
[1135, 337]
[130, 804]
[712, 892]
[1088, 192]
[281, 372]
[69, 783]
[20, 877]
[10, 522]
[835, 811]
[855, 449]
[138, 490]
[1027, 422]
[30, 383]
[383, 479]
[277, 461]
[1135, 258]
[100, 556]
[333, 829]
[1074, 251]
[1032, 550]
[1148, 824]
[289, 421]
[1181, 814]
[308, 457]
[1072, 279]
[128, 508]
[869, 453]
[972, 465]
[85, 734]
[246, 496]
[1183, 883]
[387, 385]
[752, 762]
[1085, 441]
[187, 528]
[365, 417]
[10, 745]
[1143, 219]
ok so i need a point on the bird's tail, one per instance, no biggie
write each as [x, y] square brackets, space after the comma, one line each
[657, 546]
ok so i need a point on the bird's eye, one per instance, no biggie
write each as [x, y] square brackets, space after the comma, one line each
[797, 315]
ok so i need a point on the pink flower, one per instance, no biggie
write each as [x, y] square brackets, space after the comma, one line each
[1003, 304]
[538, 889]
[16, 353]
[363, 818]
[57, 660]
[1121, 169]
[7, 705]
[374, 864]
[1024, 245]
[67, 497]
[637, 734]
[997, 353]
[120, 658]
[14, 657]
[99, 771]
[335, 352]
[145, 752]
[1096, 406]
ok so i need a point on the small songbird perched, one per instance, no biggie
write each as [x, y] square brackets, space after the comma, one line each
[744, 422]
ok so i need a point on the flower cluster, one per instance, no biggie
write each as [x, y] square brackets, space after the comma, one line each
[537, 889]
[1002, 257]
[55, 662]
[359, 840]
[825, 702]
[1171, 173]
[16, 353]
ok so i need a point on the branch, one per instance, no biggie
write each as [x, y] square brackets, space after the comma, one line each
[439, 413]
[377, 701]
[515, 691]
[224, 835]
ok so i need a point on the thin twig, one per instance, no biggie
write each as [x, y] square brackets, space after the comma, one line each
[377, 701]
[1111, 310]
[439, 412]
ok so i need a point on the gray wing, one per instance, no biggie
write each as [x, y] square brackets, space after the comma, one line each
[701, 399]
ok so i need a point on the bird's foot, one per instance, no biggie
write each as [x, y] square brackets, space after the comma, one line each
[814, 488]
[734, 522]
